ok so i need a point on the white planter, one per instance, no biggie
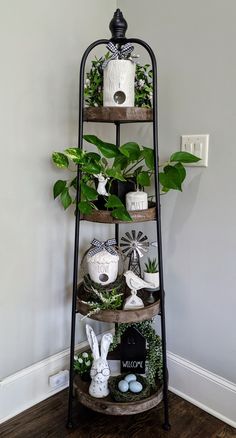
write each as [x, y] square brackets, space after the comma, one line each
[103, 267]
[118, 83]
[152, 278]
[136, 201]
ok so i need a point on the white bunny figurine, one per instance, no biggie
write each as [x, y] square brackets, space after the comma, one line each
[100, 370]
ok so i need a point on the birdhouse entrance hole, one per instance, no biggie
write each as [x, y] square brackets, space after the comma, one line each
[119, 97]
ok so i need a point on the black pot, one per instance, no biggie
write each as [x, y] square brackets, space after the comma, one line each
[121, 188]
[85, 377]
[118, 188]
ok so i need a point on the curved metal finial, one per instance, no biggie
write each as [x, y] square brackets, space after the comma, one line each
[118, 25]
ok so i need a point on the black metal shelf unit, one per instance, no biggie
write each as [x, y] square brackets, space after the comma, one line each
[118, 27]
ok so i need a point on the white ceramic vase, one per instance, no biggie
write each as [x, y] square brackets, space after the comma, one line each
[152, 277]
[118, 83]
[136, 200]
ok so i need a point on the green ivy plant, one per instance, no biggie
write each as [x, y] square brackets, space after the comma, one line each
[93, 88]
[129, 161]
[154, 353]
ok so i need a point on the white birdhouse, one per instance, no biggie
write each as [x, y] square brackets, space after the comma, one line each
[118, 88]
[103, 267]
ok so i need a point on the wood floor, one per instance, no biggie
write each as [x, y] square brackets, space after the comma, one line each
[48, 419]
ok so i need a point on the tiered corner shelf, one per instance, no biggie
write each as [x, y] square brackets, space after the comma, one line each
[117, 114]
[104, 216]
[108, 406]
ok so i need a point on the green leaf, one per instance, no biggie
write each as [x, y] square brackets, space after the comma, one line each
[121, 161]
[85, 207]
[92, 156]
[109, 150]
[92, 168]
[75, 154]
[113, 202]
[148, 155]
[58, 188]
[89, 192]
[130, 150]
[66, 199]
[74, 183]
[184, 157]
[121, 214]
[171, 178]
[115, 173]
[60, 160]
[143, 179]
[181, 170]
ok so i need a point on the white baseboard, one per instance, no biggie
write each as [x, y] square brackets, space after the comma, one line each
[204, 389]
[26, 388]
[210, 392]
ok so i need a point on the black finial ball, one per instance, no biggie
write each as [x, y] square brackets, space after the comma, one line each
[118, 25]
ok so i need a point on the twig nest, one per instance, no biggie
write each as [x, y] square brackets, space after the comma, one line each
[103, 267]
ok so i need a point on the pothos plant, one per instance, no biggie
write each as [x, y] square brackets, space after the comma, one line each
[154, 352]
[93, 90]
[129, 161]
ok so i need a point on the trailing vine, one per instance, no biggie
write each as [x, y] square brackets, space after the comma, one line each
[154, 352]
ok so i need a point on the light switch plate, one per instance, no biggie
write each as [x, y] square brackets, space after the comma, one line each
[197, 145]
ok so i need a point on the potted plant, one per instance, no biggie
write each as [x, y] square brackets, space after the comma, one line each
[151, 275]
[118, 165]
[82, 365]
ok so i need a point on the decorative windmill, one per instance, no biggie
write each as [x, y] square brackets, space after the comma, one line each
[134, 246]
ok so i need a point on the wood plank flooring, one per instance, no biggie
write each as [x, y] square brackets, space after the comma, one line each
[48, 419]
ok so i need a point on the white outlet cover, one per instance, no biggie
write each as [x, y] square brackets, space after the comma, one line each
[197, 145]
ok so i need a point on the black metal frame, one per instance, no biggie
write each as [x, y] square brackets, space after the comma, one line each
[119, 38]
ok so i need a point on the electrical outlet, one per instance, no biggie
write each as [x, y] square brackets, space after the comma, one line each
[59, 379]
[197, 145]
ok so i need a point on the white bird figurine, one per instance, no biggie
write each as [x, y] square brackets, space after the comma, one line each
[134, 283]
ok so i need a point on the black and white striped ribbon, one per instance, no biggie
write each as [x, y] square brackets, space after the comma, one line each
[100, 246]
[121, 53]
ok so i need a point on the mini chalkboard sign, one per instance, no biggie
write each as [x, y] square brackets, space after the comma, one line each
[133, 351]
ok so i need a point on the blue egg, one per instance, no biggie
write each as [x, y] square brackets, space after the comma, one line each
[135, 387]
[130, 377]
[123, 386]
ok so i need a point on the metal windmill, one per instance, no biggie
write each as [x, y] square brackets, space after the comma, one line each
[133, 246]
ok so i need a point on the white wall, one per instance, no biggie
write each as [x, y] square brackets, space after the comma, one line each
[41, 45]
[195, 45]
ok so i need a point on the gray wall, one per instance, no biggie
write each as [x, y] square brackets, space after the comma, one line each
[41, 45]
[195, 45]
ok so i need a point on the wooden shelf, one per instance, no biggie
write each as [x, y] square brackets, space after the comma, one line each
[104, 216]
[108, 406]
[120, 316]
[117, 114]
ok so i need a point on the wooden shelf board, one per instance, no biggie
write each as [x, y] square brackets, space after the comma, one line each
[108, 406]
[104, 216]
[120, 316]
[117, 114]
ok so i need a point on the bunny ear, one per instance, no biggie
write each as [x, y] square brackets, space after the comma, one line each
[105, 344]
[92, 341]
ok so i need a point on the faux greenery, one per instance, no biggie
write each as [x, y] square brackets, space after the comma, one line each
[83, 362]
[154, 354]
[151, 266]
[105, 301]
[93, 90]
[118, 285]
[130, 160]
